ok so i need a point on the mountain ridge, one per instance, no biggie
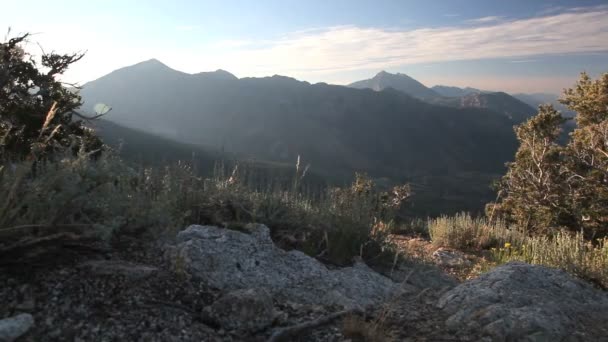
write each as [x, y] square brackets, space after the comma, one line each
[339, 130]
[401, 82]
[451, 91]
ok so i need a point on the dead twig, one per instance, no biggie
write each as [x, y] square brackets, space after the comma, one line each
[8, 231]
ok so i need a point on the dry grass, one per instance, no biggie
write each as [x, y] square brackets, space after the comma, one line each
[464, 232]
[106, 195]
[570, 252]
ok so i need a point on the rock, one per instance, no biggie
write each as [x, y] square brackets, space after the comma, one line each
[246, 311]
[450, 258]
[233, 260]
[522, 302]
[130, 270]
[13, 327]
[423, 276]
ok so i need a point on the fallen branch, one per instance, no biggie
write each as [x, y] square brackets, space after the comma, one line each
[69, 226]
[284, 334]
[35, 247]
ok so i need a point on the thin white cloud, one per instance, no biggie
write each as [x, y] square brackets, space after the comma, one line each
[451, 15]
[524, 61]
[485, 20]
[348, 48]
[334, 54]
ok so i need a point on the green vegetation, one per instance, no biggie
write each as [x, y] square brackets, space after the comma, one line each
[78, 197]
[552, 203]
[36, 110]
[550, 186]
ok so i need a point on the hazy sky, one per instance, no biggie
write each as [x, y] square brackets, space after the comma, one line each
[511, 45]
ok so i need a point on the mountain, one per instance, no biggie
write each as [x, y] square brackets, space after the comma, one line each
[449, 154]
[150, 149]
[449, 91]
[498, 102]
[401, 82]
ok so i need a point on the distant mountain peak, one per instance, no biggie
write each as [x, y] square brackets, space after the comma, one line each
[153, 62]
[399, 81]
[384, 73]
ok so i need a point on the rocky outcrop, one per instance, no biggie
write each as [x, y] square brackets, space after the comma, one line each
[522, 302]
[13, 327]
[232, 260]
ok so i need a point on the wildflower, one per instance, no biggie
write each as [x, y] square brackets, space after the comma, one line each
[507, 245]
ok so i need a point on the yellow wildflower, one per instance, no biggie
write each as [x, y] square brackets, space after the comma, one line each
[507, 245]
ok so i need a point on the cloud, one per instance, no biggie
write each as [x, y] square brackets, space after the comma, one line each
[333, 53]
[348, 48]
[451, 15]
[485, 20]
[524, 61]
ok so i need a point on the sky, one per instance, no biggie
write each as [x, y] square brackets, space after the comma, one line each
[514, 46]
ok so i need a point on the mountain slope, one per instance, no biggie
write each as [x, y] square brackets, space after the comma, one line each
[499, 102]
[337, 129]
[449, 91]
[401, 82]
[148, 148]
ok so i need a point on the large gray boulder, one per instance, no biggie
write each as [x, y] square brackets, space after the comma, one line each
[232, 260]
[13, 327]
[522, 302]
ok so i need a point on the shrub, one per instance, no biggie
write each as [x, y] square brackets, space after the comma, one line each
[36, 111]
[72, 193]
[335, 224]
[550, 186]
